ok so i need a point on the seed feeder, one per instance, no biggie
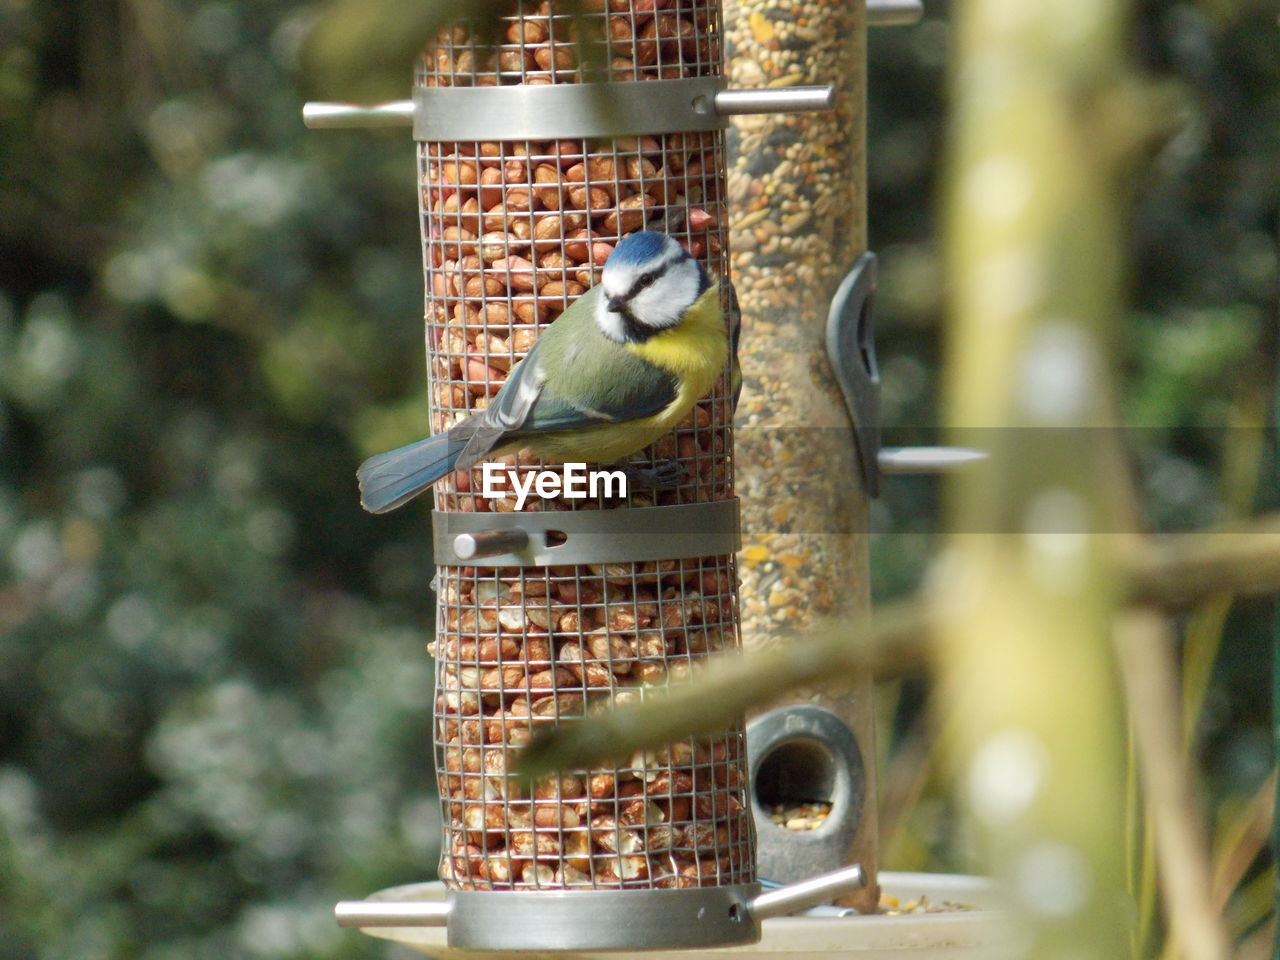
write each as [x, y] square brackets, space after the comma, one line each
[806, 283]
[529, 174]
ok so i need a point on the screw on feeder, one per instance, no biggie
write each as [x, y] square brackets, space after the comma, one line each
[490, 543]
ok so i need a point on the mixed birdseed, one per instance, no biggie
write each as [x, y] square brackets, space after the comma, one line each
[800, 817]
[795, 189]
[794, 184]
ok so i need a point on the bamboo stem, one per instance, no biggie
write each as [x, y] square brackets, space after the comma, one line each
[1144, 647]
[1026, 669]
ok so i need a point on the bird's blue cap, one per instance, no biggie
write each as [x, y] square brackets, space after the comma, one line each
[638, 248]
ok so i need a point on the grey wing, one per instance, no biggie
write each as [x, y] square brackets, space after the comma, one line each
[527, 405]
[553, 390]
[508, 413]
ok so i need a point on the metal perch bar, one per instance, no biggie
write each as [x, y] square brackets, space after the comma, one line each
[333, 116]
[732, 103]
[392, 913]
[928, 459]
[807, 893]
[894, 13]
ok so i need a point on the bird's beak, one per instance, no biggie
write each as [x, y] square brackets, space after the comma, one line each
[617, 304]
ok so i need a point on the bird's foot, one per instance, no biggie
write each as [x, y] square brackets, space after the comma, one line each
[664, 476]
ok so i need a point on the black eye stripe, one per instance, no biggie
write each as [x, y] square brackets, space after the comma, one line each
[650, 277]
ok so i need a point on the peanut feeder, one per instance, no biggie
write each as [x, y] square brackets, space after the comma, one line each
[529, 174]
[514, 230]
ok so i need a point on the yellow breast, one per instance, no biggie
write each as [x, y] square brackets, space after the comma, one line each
[693, 352]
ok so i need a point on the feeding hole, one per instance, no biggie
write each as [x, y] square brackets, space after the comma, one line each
[795, 773]
[556, 538]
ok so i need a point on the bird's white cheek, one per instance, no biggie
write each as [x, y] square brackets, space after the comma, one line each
[654, 308]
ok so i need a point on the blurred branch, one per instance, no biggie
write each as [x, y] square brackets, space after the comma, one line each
[894, 642]
[366, 49]
[1144, 648]
[1173, 570]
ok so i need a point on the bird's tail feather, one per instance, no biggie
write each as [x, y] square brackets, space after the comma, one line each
[392, 479]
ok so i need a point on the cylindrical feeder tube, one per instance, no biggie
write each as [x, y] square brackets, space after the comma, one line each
[797, 200]
[513, 232]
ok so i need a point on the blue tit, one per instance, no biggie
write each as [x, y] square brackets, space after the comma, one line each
[617, 370]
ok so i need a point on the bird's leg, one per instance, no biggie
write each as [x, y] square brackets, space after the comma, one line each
[662, 476]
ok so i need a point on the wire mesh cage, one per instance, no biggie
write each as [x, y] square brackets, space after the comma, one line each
[513, 232]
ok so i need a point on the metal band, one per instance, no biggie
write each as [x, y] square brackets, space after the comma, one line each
[628, 535]
[595, 919]
[566, 110]
[603, 919]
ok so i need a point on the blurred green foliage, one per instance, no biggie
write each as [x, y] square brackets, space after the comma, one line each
[214, 701]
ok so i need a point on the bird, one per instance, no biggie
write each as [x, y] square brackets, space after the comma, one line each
[618, 369]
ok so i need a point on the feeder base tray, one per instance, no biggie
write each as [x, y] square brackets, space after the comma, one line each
[975, 934]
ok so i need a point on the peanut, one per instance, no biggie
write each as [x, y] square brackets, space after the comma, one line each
[463, 173]
[490, 191]
[556, 57]
[630, 214]
[519, 272]
[537, 875]
[593, 199]
[530, 311]
[613, 651]
[577, 245]
[522, 342]
[528, 31]
[458, 241]
[555, 816]
[547, 186]
[482, 378]
[483, 286]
